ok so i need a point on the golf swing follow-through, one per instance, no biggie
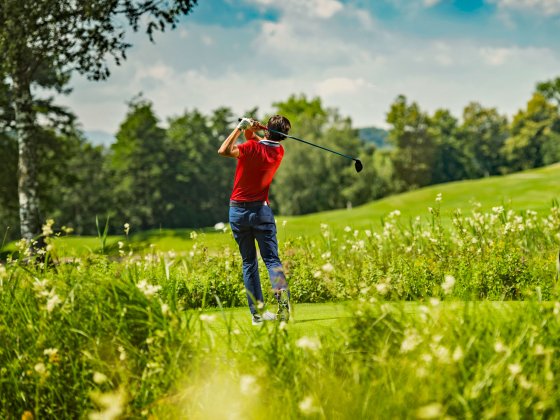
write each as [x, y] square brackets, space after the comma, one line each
[250, 216]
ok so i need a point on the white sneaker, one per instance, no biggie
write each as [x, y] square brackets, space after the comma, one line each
[259, 319]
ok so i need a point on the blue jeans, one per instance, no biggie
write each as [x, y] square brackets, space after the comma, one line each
[248, 224]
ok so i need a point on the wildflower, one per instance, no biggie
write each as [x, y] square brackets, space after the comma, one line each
[499, 347]
[326, 255]
[207, 318]
[99, 378]
[68, 230]
[382, 288]
[248, 385]
[514, 369]
[121, 244]
[394, 214]
[448, 284]
[308, 343]
[40, 368]
[111, 404]
[53, 355]
[347, 229]
[368, 233]
[328, 267]
[307, 406]
[126, 228]
[164, 309]
[317, 274]
[148, 289]
[27, 415]
[411, 341]
[434, 301]
[430, 411]
[122, 353]
[457, 354]
[284, 223]
[219, 226]
[438, 198]
[47, 227]
[53, 301]
[193, 235]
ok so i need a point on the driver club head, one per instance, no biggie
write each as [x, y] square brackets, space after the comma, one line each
[358, 165]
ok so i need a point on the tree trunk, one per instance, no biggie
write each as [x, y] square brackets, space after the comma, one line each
[30, 221]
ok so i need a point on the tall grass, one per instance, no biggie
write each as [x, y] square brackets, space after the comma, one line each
[121, 335]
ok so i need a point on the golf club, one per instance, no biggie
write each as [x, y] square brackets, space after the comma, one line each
[358, 164]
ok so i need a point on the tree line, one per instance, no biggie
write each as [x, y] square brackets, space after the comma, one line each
[169, 175]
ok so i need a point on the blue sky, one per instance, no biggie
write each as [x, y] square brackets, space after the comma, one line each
[357, 55]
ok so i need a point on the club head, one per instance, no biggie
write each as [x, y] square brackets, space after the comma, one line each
[358, 165]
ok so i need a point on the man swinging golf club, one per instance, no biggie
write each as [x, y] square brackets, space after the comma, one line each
[250, 215]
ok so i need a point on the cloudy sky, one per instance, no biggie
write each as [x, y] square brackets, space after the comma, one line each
[357, 55]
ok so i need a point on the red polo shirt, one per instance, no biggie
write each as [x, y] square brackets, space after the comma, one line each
[256, 165]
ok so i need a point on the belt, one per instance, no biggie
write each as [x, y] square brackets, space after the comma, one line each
[247, 204]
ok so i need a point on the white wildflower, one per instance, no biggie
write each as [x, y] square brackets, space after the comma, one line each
[457, 354]
[394, 214]
[40, 368]
[326, 255]
[368, 233]
[499, 347]
[438, 198]
[122, 353]
[308, 343]
[248, 385]
[47, 227]
[193, 235]
[347, 229]
[448, 284]
[148, 289]
[207, 318]
[411, 341]
[111, 404]
[308, 406]
[430, 411]
[219, 226]
[514, 369]
[328, 267]
[382, 288]
[126, 228]
[284, 223]
[317, 274]
[99, 378]
[164, 309]
[53, 301]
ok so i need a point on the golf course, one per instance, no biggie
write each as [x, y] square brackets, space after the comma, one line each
[439, 302]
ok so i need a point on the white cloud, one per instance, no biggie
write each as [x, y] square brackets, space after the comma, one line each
[546, 7]
[430, 3]
[323, 9]
[341, 85]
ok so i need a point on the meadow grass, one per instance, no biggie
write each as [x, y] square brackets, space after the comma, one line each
[453, 312]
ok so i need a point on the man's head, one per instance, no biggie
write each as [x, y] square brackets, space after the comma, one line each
[277, 123]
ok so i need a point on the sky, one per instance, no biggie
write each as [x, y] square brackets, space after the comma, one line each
[356, 55]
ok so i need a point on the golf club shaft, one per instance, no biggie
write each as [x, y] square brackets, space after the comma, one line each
[312, 144]
[307, 142]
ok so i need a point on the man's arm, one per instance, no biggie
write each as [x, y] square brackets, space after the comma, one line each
[228, 147]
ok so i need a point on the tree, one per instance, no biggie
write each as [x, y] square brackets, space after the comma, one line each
[199, 181]
[535, 136]
[139, 163]
[451, 161]
[55, 38]
[550, 90]
[482, 136]
[415, 147]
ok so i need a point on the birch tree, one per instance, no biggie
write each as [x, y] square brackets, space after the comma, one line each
[58, 37]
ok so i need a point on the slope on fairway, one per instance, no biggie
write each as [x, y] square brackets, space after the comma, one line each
[534, 189]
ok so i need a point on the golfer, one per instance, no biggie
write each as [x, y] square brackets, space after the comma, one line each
[250, 215]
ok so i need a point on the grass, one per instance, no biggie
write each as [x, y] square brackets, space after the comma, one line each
[534, 189]
[451, 315]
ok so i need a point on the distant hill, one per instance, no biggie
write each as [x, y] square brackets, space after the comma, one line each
[375, 135]
[99, 137]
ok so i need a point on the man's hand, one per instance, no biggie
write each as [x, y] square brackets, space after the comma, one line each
[244, 124]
